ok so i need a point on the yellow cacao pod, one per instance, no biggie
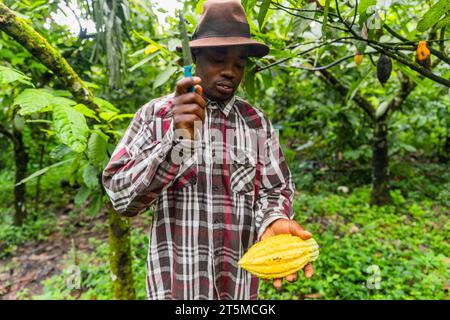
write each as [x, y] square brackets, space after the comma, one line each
[358, 58]
[279, 256]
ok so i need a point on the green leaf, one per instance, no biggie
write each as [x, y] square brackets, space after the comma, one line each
[164, 76]
[433, 15]
[33, 100]
[443, 23]
[81, 195]
[123, 116]
[105, 105]
[248, 5]
[74, 168]
[86, 111]
[96, 204]
[60, 151]
[301, 24]
[107, 116]
[407, 147]
[9, 75]
[364, 5]
[143, 61]
[42, 171]
[363, 11]
[199, 6]
[263, 13]
[97, 149]
[150, 41]
[62, 102]
[71, 128]
[90, 177]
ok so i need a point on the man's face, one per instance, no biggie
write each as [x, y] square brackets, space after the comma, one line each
[221, 70]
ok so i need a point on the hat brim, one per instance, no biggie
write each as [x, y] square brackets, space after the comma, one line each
[256, 49]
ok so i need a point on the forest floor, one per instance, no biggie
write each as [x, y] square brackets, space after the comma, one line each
[22, 274]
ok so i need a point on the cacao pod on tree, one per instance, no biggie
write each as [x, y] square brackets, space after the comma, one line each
[423, 55]
[384, 69]
[358, 58]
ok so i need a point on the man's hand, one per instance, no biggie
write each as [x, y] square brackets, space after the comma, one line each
[188, 107]
[281, 226]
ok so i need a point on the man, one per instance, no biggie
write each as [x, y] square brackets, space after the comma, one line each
[212, 167]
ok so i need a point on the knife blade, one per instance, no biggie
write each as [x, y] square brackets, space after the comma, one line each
[187, 56]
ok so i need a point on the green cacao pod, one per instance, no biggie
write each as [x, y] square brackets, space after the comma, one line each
[384, 69]
[279, 256]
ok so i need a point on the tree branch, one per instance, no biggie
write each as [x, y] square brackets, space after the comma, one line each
[440, 54]
[303, 53]
[39, 47]
[334, 63]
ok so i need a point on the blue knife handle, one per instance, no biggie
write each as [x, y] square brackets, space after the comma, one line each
[188, 74]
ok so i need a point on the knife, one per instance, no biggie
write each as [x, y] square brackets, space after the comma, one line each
[187, 57]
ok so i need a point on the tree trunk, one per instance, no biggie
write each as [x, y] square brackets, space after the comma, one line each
[120, 257]
[38, 182]
[21, 161]
[444, 155]
[380, 165]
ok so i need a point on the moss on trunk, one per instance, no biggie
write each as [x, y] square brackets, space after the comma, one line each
[120, 257]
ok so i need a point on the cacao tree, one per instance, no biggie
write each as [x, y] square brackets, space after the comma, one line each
[309, 35]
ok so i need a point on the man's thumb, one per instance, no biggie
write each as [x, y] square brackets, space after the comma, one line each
[199, 89]
[298, 231]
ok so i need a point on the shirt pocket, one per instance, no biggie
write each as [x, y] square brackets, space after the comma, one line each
[242, 177]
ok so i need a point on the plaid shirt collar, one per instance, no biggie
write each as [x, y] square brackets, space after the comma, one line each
[224, 106]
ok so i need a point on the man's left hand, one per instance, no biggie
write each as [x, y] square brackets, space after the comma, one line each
[281, 226]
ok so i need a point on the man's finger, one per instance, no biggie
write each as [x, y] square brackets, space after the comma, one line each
[292, 277]
[190, 97]
[268, 233]
[297, 230]
[277, 283]
[199, 90]
[184, 84]
[308, 270]
[192, 109]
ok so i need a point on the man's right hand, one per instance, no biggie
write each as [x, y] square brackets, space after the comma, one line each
[188, 107]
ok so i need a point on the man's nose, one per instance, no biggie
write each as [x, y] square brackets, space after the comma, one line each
[228, 71]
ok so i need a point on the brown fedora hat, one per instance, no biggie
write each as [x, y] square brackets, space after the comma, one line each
[224, 23]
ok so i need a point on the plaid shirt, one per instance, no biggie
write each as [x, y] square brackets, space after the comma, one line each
[212, 200]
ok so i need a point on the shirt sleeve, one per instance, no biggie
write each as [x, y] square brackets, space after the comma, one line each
[276, 189]
[141, 166]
